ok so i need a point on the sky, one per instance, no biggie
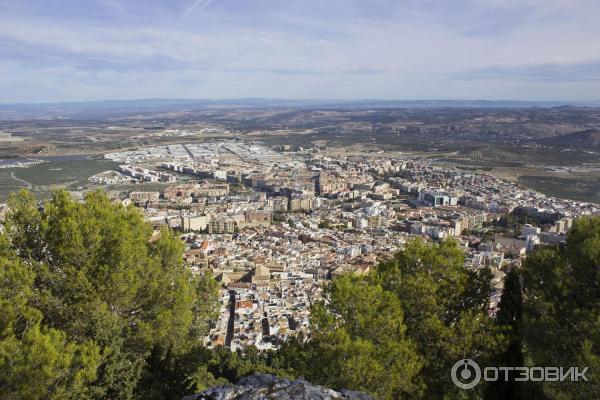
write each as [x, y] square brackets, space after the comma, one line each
[76, 50]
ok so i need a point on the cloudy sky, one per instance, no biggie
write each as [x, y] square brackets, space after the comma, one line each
[58, 50]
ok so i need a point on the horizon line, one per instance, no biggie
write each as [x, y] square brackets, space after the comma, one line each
[305, 100]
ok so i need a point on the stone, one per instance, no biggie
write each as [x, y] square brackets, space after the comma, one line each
[270, 387]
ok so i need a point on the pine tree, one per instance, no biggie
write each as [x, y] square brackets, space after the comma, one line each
[509, 317]
[37, 362]
[359, 342]
[561, 318]
[99, 275]
[445, 307]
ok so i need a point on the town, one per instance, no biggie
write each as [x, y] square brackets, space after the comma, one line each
[273, 225]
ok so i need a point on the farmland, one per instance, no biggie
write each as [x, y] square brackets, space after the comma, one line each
[67, 172]
[584, 189]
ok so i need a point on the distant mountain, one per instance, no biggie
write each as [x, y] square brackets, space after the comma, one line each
[114, 108]
[589, 139]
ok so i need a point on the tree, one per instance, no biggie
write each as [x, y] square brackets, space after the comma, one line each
[359, 341]
[561, 320]
[397, 332]
[36, 362]
[100, 275]
[445, 310]
[510, 318]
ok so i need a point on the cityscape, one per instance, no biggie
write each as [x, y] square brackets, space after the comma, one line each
[272, 224]
[299, 200]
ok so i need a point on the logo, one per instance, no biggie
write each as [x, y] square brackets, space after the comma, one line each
[465, 374]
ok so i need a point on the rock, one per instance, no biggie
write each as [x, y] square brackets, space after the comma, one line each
[264, 386]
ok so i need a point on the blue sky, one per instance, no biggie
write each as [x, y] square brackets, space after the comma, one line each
[64, 50]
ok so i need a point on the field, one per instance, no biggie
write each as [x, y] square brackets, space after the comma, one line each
[68, 172]
[572, 188]
[8, 183]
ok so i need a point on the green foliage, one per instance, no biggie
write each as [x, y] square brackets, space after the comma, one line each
[36, 362]
[397, 332]
[515, 220]
[562, 309]
[232, 366]
[95, 305]
[358, 342]
[509, 225]
[173, 376]
[445, 309]
[509, 318]
[324, 224]
[279, 216]
[98, 286]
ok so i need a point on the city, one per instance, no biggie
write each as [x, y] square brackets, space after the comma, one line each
[299, 200]
[272, 225]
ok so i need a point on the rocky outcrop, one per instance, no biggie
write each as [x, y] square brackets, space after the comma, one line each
[263, 387]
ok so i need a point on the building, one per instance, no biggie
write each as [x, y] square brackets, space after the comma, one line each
[258, 217]
[144, 197]
[514, 247]
[328, 185]
[300, 203]
[360, 223]
[145, 175]
[194, 223]
[179, 193]
[210, 190]
[278, 203]
[221, 224]
[530, 230]
[436, 199]
[562, 225]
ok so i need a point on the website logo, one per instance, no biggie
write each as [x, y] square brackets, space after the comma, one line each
[465, 374]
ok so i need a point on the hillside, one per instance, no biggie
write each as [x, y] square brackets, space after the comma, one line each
[588, 139]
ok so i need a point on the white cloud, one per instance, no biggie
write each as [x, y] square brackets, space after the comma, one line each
[380, 49]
